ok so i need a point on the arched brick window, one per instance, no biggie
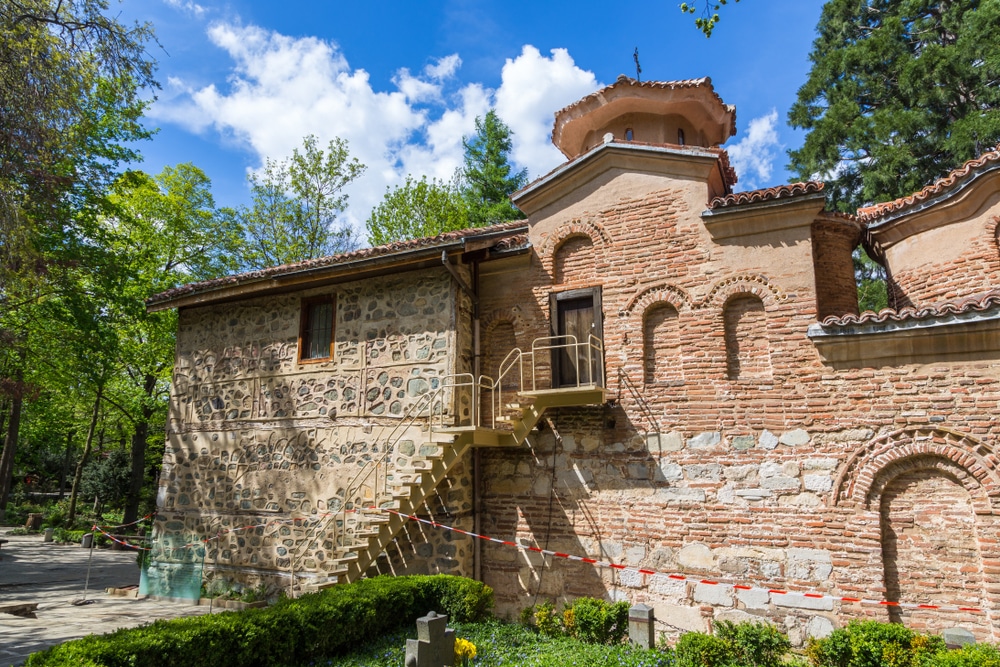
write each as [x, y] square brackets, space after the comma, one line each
[748, 352]
[660, 344]
[575, 260]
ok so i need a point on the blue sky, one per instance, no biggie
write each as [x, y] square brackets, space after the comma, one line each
[403, 81]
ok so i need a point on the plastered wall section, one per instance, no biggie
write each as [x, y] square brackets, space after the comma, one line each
[771, 480]
[256, 438]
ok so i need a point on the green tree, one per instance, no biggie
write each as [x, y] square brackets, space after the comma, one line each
[296, 205]
[162, 232]
[488, 179]
[416, 209]
[71, 80]
[900, 92]
[709, 13]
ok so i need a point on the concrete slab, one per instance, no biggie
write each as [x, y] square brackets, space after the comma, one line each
[53, 576]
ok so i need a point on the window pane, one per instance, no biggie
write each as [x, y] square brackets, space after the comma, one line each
[319, 331]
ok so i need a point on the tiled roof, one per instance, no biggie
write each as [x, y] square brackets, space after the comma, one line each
[517, 229]
[976, 303]
[956, 178]
[766, 194]
[704, 82]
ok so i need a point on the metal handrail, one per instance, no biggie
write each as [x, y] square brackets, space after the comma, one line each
[513, 365]
[590, 351]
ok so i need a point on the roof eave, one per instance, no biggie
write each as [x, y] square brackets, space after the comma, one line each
[304, 277]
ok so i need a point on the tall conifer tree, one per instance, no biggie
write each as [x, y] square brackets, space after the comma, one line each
[488, 177]
[901, 91]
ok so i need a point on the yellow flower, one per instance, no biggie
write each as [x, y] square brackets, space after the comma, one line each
[464, 651]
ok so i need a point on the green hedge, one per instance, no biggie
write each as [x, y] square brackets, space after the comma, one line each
[290, 632]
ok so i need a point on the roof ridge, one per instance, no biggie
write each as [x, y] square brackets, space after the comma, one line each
[339, 258]
[766, 194]
[976, 302]
[872, 213]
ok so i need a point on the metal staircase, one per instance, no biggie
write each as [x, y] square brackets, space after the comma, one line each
[518, 398]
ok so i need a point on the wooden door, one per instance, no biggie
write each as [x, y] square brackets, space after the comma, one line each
[576, 316]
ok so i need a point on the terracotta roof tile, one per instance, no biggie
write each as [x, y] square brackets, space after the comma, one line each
[704, 82]
[399, 247]
[975, 303]
[970, 169]
[766, 194]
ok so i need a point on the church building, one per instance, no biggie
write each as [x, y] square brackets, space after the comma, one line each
[654, 389]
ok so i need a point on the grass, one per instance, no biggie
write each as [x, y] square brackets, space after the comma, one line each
[500, 644]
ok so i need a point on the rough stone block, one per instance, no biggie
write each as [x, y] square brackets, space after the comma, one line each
[753, 494]
[743, 442]
[739, 473]
[795, 438]
[800, 500]
[630, 579]
[706, 440]
[768, 440]
[671, 472]
[638, 471]
[720, 596]
[671, 589]
[708, 472]
[755, 598]
[696, 556]
[685, 618]
[819, 464]
[799, 601]
[680, 494]
[664, 442]
[819, 627]
[817, 483]
[957, 637]
[770, 469]
[780, 483]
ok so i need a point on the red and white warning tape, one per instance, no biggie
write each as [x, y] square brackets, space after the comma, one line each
[681, 577]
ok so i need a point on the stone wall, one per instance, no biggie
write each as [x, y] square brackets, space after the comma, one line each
[262, 449]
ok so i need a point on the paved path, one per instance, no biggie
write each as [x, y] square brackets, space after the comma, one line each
[54, 576]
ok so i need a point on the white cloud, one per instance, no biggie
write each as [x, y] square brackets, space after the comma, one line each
[444, 67]
[753, 156]
[533, 88]
[187, 6]
[281, 88]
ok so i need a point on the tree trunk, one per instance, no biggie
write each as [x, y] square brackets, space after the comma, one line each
[10, 441]
[83, 459]
[139, 437]
[65, 466]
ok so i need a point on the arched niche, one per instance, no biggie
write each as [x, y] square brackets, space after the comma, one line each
[748, 349]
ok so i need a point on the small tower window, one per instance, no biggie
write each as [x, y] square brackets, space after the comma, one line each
[628, 134]
[680, 137]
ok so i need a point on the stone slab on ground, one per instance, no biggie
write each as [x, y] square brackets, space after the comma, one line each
[53, 576]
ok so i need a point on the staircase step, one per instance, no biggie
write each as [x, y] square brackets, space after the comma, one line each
[437, 437]
[515, 406]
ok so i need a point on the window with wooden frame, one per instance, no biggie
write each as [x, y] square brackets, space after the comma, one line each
[316, 329]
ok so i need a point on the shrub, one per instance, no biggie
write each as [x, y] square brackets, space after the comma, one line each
[873, 644]
[974, 655]
[547, 620]
[290, 632]
[754, 644]
[697, 649]
[598, 622]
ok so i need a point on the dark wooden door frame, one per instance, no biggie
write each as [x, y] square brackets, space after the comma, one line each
[555, 298]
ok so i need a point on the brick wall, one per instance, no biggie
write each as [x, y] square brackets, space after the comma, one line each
[748, 472]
